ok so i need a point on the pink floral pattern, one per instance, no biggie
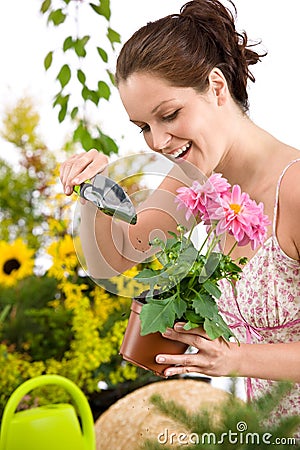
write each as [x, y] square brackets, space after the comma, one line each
[265, 307]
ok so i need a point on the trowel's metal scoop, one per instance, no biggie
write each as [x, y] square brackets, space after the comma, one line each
[109, 197]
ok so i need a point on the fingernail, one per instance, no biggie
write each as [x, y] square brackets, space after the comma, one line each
[178, 326]
[167, 332]
[160, 359]
[68, 190]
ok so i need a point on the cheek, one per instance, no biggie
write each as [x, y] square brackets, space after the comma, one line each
[148, 140]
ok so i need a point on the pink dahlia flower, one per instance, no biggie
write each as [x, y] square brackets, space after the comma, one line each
[243, 218]
[232, 210]
[201, 199]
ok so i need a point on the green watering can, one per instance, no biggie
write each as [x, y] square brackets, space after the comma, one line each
[51, 427]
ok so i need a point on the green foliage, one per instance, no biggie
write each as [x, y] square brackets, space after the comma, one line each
[236, 425]
[34, 326]
[188, 288]
[57, 322]
[24, 190]
[73, 77]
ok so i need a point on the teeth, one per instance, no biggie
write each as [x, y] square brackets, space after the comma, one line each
[181, 150]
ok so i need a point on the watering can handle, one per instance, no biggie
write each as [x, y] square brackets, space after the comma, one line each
[77, 395]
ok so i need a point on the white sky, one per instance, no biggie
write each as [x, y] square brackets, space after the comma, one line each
[25, 40]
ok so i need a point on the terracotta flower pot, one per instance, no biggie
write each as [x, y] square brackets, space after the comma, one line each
[142, 350]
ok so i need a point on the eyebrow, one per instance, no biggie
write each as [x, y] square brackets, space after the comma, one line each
[154, 109]
[160, 104]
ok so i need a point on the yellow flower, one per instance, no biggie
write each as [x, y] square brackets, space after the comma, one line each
[126, 285]
[64, 258]
[16, 262]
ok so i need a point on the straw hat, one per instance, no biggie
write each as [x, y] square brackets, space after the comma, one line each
[133, 419]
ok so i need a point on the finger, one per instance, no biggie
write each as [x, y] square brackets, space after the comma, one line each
[185, 359]
[65, 171]
[181, 370]
[81, 167]
[88, 168]
[179, 327]
[187, 337]
[78, 164]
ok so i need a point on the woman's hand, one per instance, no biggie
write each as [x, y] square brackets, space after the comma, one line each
[213, 358]
[81, 167]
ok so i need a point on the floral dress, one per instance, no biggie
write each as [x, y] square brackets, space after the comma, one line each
[265, 308]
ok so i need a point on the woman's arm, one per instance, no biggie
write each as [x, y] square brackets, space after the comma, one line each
[111, 246]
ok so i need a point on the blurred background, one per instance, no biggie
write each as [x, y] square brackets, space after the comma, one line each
[57, 97]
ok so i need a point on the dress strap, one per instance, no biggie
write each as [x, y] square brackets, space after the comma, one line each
[277, 193]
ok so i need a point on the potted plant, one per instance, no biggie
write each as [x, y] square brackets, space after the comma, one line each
[186, 287]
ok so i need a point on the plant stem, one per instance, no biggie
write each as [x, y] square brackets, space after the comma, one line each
[213, 227]
[232, 248]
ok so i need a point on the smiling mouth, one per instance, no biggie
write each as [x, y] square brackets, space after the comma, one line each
[181, 151]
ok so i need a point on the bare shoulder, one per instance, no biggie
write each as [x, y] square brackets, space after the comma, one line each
[290, 185]
[289, 205]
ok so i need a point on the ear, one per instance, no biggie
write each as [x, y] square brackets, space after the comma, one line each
[218, 85]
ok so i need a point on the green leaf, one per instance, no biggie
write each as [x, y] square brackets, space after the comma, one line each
[74, 112]
[102, 9]
[94, 96]
[174, 235]
[103, 90]
[212, 329]
[205, 305]
[68, 43]
[157, 315]
[212, 289]
[64, 75]
[113, 36]
[79, 46]
[213, 262]
[89, 94]
[62, 113]
[216, 328]
[57, 17]
[103, 54]
[111, 77]
[190, 325]
[79, 132]
[146, 273]
[82, 135]
[48, 60]
[193, 317]
[180, 306]
[85, 93]
[210, 266]
[4, 313]
[61, 99]
[81, 76]
[45, 6]
[108, 144]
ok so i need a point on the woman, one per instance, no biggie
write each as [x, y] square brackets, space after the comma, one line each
[183, 82]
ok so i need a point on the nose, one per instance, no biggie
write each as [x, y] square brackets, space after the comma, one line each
[160, 138]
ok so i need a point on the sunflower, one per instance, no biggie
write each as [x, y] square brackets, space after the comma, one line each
[16, 262]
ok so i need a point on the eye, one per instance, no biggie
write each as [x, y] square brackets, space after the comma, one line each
[145, 128]
[172, 116]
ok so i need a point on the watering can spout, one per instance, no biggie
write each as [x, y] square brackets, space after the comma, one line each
[49, 427]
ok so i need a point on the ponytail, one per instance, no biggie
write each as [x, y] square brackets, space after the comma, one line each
[184, 48]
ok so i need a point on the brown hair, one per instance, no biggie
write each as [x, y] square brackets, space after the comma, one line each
[184, 48]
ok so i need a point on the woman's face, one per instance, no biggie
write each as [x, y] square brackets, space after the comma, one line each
[177, 121]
